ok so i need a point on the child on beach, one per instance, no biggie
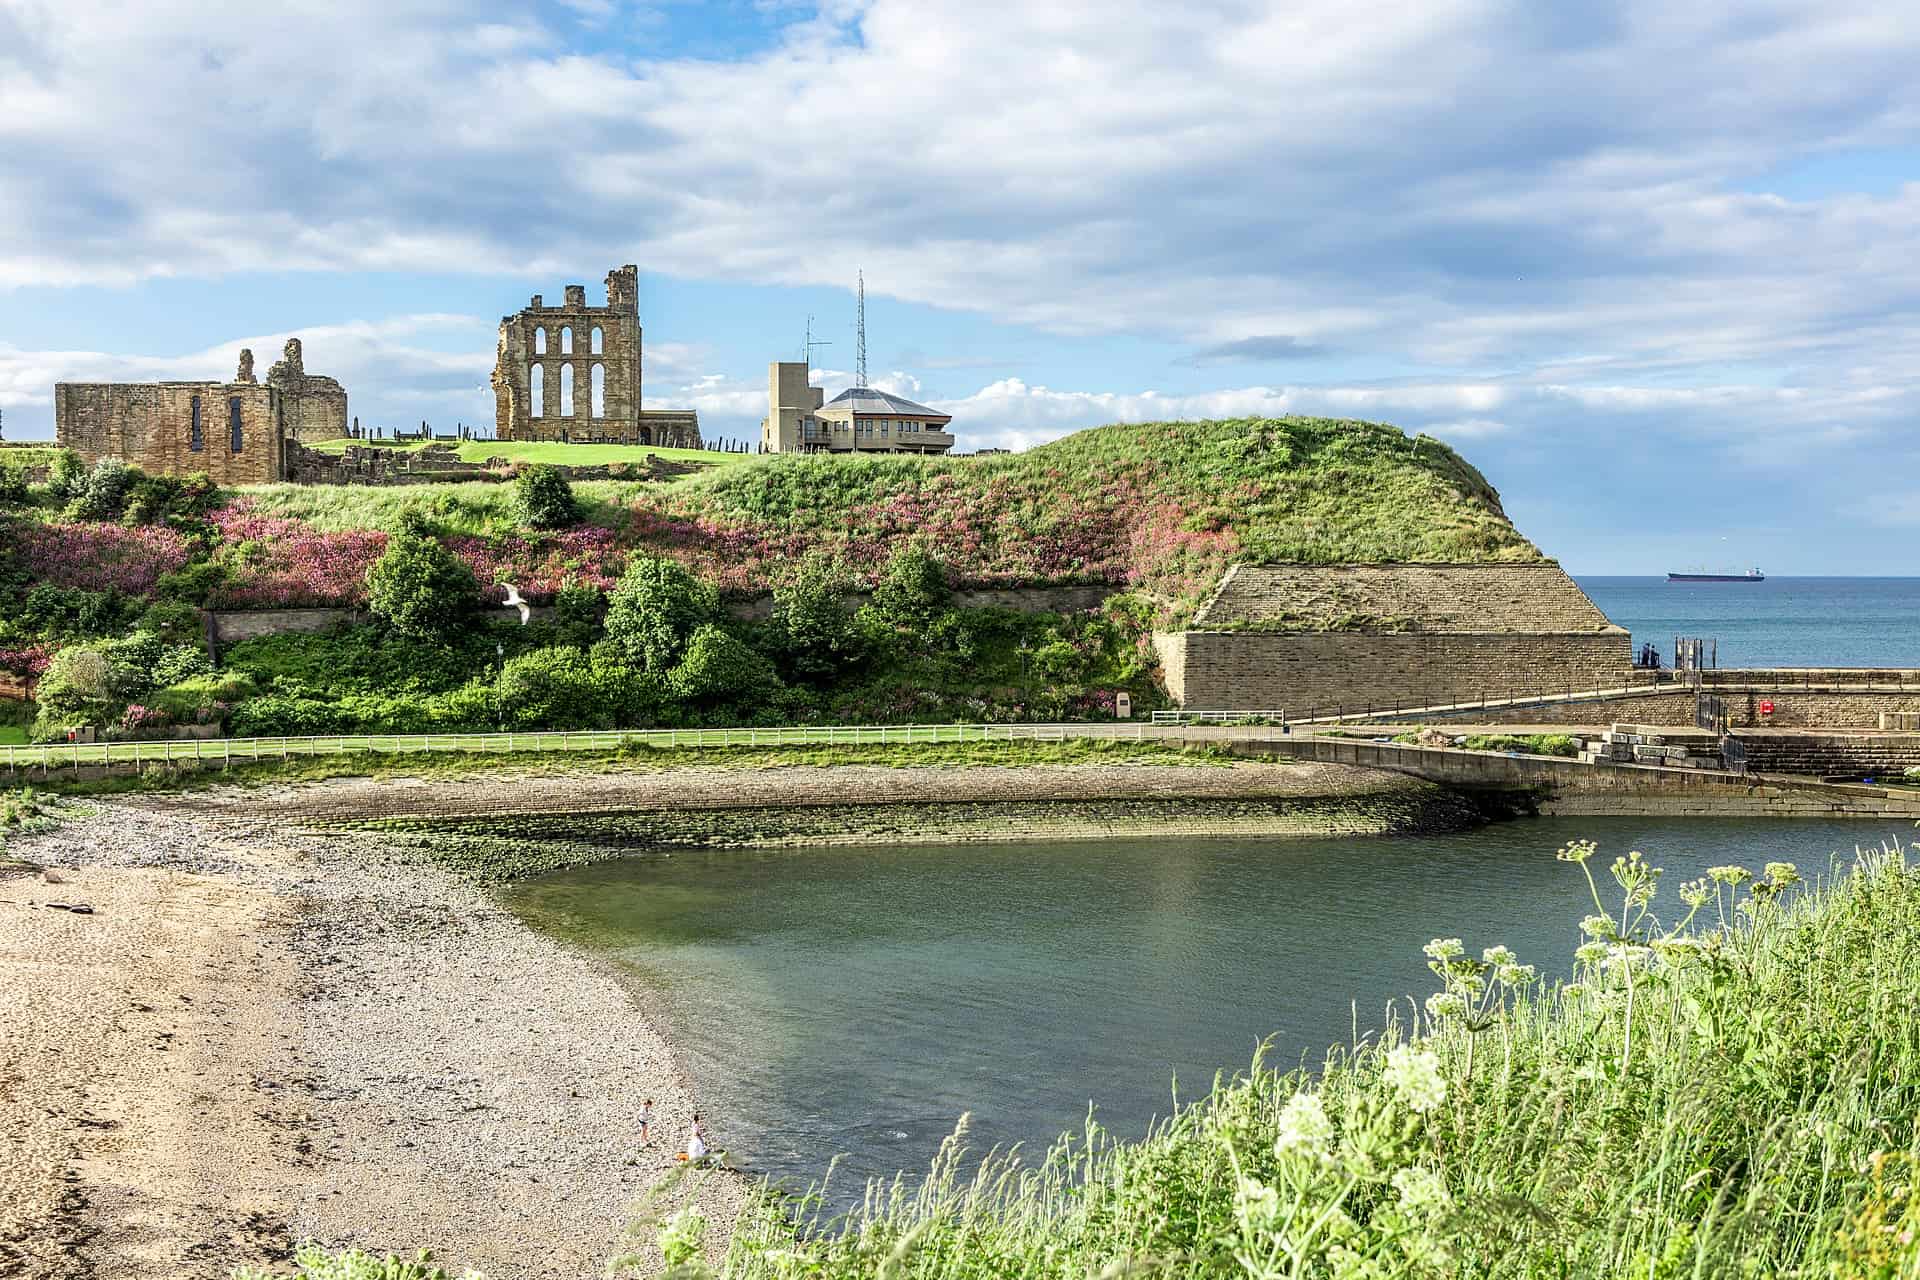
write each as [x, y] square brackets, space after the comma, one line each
[646, 1122]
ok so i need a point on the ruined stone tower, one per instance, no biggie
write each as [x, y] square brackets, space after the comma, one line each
[572, 372]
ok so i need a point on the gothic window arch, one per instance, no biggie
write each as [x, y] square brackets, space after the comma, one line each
[598, 340]
[599, 379]
[538, 392]
[566, 389]
[233, 422]
[539, 339]
[566, 339]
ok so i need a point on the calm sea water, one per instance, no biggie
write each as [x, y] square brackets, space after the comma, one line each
[858, 1001]
[1786, 622]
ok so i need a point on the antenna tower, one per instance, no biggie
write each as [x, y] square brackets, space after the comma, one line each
[806, 350]
[860, 333]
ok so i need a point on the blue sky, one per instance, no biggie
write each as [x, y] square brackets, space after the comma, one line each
[1655, 268]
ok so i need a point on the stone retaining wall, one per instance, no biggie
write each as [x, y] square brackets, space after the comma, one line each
[1574, 787]
[1314, 673]
[233, 625]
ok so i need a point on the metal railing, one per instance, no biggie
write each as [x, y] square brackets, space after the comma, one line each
[226, 751]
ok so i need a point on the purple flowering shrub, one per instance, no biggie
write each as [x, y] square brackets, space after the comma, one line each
[99, 557]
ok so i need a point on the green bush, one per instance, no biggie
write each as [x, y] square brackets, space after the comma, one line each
[194, 583]
[67, 477]
[655, 609]
[550, 689]
[73, 612]
[912, 590]
[103, 495]
[816, 634]
[719, 667]
[544, 500]
[13, 486]
[274, 715]
[174, 622]
[420, 588]
[183, 501]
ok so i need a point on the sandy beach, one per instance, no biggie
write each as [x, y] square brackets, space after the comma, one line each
[261, 1036]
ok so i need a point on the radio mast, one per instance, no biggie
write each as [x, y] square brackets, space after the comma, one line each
[860, 333]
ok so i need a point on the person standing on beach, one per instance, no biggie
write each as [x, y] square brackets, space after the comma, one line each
[646, 1122]
[696, 1141]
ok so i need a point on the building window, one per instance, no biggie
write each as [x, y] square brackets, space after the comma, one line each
[566, 339]
[597, 340]
[538, 383]
[197, 432]
[539, 340]
[566, 387]
[599, 378]
[233, 421]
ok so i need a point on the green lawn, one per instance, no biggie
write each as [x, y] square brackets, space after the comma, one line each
[574, 455]
[13, 734]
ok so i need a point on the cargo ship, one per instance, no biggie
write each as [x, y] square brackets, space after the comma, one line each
[1751, 575]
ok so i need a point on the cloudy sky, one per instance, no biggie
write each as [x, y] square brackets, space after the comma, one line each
[1654, 266]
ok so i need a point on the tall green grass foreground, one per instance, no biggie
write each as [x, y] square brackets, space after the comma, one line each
[1729, 1093]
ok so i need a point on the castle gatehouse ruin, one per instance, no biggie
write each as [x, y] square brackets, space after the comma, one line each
[234, 431]
[573, 373]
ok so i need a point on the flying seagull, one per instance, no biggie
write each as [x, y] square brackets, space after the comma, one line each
[513, 601]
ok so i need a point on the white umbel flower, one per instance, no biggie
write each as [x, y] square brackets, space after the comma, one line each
[1305, 1129]
[1414, 1076]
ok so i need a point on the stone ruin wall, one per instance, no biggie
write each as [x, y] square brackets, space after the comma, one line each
[555, 340]
[149, 425]
[313, 406]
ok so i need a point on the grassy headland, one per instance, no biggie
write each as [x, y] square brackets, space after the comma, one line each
[1154, 511]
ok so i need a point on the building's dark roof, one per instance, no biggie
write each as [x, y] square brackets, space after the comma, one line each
[1536, 598]
[870, 400]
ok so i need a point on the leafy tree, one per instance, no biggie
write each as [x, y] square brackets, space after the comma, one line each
[720, 667]
[77, 688]
[13, 486]
[912, 590]
[577, 610]
[655, 610]
[814, 628]
[544, 500]
[421, 589]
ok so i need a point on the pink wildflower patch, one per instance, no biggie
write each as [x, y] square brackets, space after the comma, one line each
[100, 557]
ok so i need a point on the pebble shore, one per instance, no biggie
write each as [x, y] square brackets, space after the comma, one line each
[438, 1076]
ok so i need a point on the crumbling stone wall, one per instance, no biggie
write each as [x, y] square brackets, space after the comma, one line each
[314, 406]
[549, 360]
[175, 428]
